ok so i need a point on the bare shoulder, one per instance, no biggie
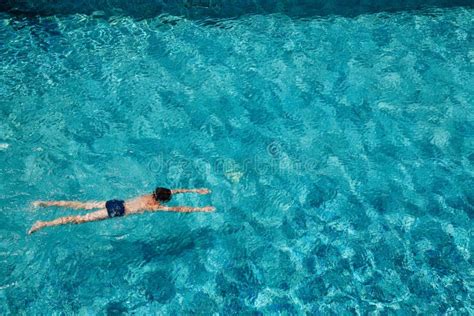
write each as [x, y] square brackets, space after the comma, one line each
[140, 204]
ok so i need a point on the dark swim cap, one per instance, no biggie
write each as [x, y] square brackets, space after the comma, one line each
[162, 194]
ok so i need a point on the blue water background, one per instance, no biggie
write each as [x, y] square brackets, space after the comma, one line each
[339, 150]
[220, 8]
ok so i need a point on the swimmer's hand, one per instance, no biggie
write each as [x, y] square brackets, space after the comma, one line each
[203, 191]
[37, 226]
[208, 209]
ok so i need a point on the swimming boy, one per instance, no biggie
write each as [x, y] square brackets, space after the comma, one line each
[116, 208]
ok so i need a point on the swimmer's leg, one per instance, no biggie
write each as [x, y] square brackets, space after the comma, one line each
[70, 204]
[91, 217]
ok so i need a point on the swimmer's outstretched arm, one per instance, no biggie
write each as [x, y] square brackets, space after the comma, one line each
[199, 191]
[91, 217]
[70, 204]
[186, 209]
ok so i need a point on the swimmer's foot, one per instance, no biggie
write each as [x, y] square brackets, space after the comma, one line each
[36, 204]
[37, 226]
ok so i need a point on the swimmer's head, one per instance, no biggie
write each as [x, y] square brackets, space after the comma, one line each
[162, 194]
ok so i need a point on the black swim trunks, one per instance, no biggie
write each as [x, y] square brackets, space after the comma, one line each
[115, 208]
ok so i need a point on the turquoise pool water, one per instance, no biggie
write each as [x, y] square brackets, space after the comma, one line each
[340, 152]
